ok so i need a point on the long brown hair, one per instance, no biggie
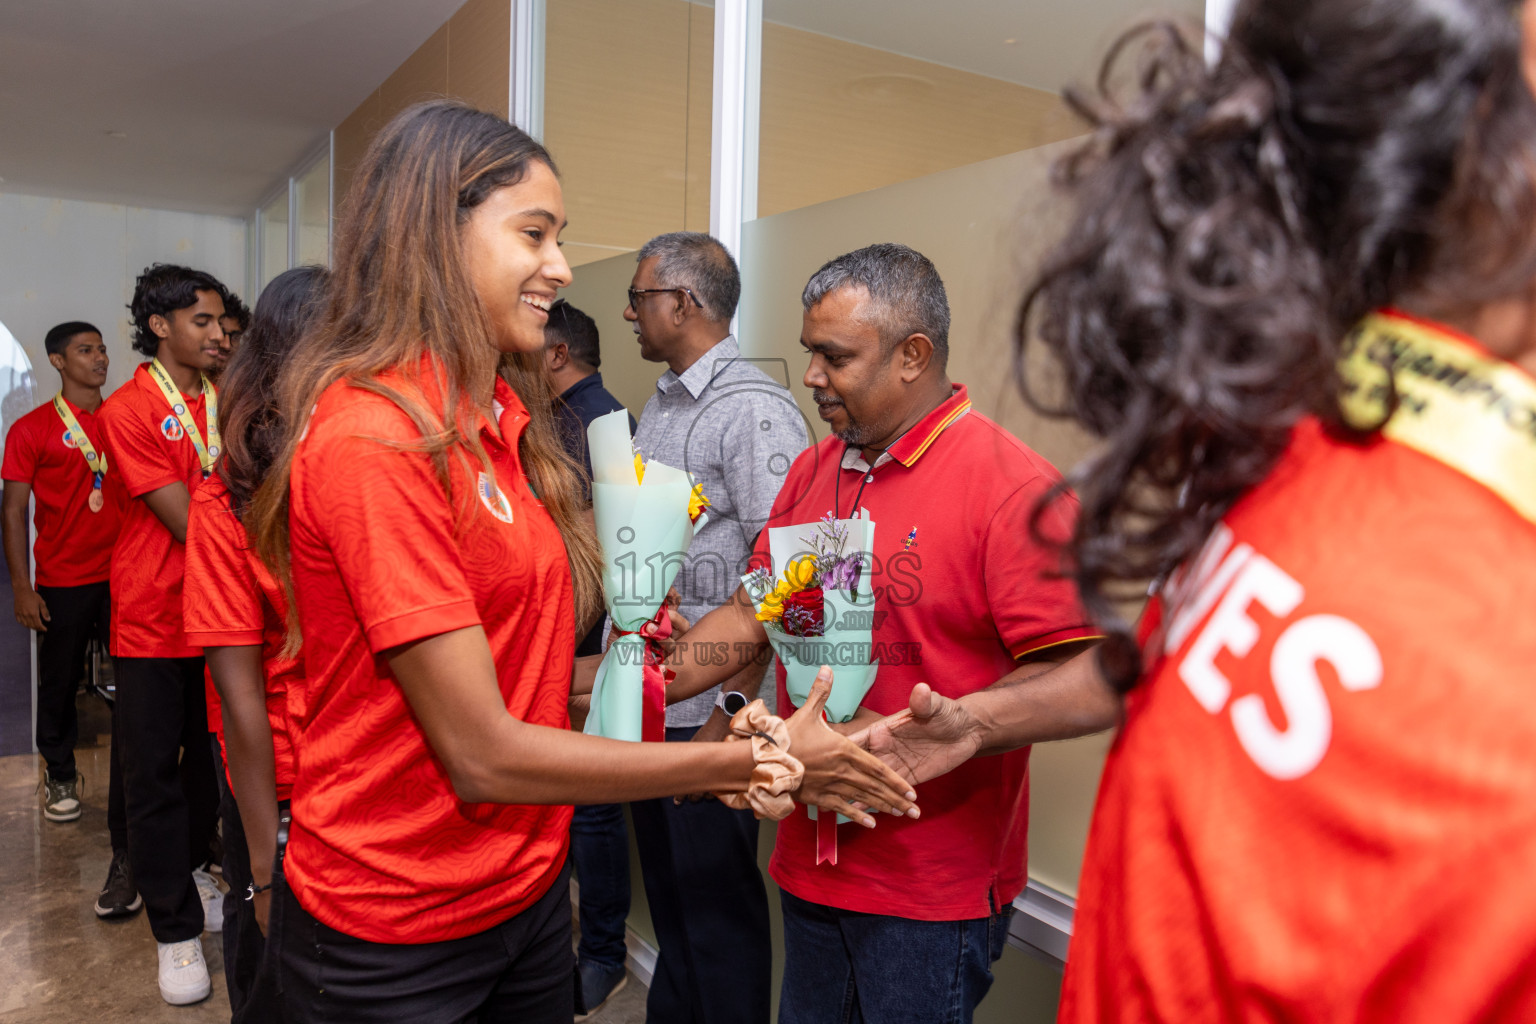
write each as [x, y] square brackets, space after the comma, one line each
[401, 291]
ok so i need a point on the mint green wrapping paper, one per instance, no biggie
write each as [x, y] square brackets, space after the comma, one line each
[644, 533]
[847, 642]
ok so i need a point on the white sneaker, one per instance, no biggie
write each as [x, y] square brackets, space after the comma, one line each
[213, 900]
[183, 972]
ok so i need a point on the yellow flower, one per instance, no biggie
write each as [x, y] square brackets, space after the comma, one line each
[639, 469]
[697, 502]
[771, 608]
[800, 572]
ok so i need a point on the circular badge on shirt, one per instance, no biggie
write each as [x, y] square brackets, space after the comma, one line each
[492, 498]
[69, 439]
[170, 427]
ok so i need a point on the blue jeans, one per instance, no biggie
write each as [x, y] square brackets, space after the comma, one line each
[600, 854]
[844, 967]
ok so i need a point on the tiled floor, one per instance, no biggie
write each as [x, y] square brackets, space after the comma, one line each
[60, 964]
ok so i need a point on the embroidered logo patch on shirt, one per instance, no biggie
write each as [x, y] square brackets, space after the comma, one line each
[492, 498]
[170, 427]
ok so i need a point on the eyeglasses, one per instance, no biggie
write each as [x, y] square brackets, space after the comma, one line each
[635, 293]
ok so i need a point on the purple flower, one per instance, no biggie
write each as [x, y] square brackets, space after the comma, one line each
[842, 573]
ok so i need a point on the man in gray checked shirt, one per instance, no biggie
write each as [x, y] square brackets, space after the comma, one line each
[737, 430]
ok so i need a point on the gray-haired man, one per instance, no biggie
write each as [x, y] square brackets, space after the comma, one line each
[737, 430]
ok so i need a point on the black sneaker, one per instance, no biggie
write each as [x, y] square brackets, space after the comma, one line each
[119, 897]
[61, 800]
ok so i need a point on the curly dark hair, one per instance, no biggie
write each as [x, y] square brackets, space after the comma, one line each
[236, 308]
[1232, 223]
[162, 289]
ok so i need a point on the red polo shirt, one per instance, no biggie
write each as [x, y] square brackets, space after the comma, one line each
[232, 600]
[149, 451]
[971, 593]
[1322, 805]
[381, 848]
[74, 544]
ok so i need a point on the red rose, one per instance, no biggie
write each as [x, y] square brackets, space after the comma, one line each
[803, 611]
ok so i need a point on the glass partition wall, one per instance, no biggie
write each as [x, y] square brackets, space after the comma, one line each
[293, 227]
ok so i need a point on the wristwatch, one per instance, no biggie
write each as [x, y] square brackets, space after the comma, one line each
[731, 702]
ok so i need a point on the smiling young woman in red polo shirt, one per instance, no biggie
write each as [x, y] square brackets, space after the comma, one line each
[440, 562]
[1299, 304]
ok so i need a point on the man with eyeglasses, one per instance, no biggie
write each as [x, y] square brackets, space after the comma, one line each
[737, 430]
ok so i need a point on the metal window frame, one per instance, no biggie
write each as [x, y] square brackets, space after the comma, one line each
[734, 119]
[324, 150]
[525, 79]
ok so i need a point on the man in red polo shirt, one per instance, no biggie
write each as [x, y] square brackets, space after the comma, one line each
[162, 429]
[911, 916]
[57, 454]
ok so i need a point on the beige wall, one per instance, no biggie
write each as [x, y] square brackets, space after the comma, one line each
[984, 226]
[627, 87]
[468, 58]
[627, 112]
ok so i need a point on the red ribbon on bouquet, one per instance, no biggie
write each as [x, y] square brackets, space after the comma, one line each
[826, 837]
[653, 677]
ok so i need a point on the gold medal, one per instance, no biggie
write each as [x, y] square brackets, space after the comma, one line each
[96, 501]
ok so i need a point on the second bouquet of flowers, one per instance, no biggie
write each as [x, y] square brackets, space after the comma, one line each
[646, 516]
[818, 608]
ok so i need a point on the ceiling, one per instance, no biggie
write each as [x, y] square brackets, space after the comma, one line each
[1047, 44]
[187, 104]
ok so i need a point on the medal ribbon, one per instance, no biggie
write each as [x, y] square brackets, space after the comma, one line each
[207, 454]
[97, 462]
[1471, 411]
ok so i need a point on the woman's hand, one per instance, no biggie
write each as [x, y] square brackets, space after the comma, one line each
[838, 773]
[933, 736]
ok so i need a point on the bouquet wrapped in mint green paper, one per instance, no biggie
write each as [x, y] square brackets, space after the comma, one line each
[820, 607]
[646, 516]
[819, 610]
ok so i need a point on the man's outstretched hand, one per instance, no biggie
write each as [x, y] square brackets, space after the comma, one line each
[931, 737]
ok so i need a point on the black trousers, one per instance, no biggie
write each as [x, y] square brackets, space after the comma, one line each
[242, 936]
[76, 614]
[261, 1001]
[518, 972]
[709, 909]
[169, 786]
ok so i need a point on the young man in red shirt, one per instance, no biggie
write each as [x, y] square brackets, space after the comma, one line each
[57, 455]
[907, 920]
[162, 427]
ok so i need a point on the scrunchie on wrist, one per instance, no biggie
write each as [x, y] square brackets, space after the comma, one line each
[775, 773]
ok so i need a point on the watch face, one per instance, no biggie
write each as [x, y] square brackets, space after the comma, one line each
[732, 702]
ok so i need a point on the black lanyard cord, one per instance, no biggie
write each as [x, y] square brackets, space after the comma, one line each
[837, 493]
[869, 475]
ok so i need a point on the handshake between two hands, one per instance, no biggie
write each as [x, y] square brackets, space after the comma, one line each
[869, 762]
